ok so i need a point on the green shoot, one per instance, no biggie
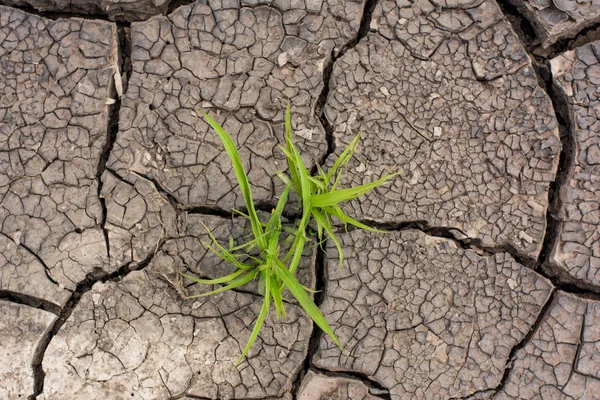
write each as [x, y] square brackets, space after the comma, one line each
[319, 195]
[320, 198]
[264, 310]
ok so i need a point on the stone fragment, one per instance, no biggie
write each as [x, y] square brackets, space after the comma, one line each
[241, 62]
[423, 317]
[55, 77]
[553, 20]
[138, 339]
[462, 117]
[22, 328]
[115, 10]
[561, 359]
[576, 253]
[321, 387]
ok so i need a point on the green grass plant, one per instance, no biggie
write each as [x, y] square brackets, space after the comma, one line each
[262, 255]
[319, 195]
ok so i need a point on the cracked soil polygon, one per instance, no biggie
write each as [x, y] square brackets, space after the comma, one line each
[448, 96]
[561, 360]
[138, 218]
[321, 387]
[553, 20]
[423, 317]
[576, 252]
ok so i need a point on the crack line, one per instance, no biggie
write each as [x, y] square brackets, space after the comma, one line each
[123, 65]
[30, 301]
[82, 288]
[548, 305]
[320, 263]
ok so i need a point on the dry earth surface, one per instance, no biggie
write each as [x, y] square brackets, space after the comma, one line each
[486, 287]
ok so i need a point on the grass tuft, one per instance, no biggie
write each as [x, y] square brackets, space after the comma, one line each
[320, 201]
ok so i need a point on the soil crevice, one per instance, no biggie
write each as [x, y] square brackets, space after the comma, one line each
[64, 314]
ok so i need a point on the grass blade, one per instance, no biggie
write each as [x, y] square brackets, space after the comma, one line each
[304, 181]
[339, 195]
[329, 229]
[337, 212]
[230, 257]
[318, 184]
[305, 301]
[344, 157]
[217, 281]
[289, 145]
[248, 245]
[243, 214]
[298, 245]
[264, 311]
[240, 174]
[234, 284]
[275, 220]
[223, 253]
[321, 174]
[298, 250]
[277, 299]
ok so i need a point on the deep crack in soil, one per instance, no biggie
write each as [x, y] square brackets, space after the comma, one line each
[320, 267]
[525, 31]
[53, 15]
[31, 301]
[78, 12]
[363, 30]
[541, 63]
[82, 288]
[557, 275]
[124, 63]
[320, 287]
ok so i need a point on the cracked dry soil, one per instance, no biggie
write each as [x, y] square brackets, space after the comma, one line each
[486, 287]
